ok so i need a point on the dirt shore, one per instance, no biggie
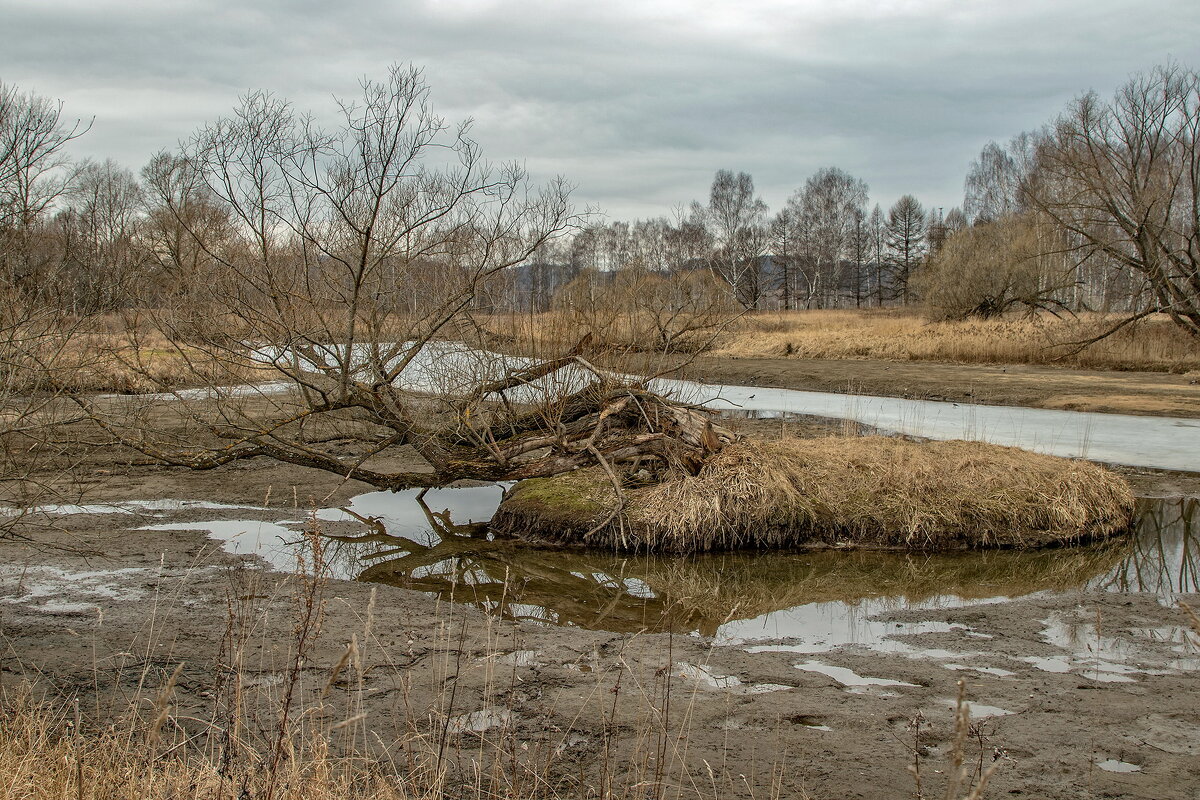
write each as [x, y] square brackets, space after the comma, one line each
[1151, 393]
[123, 606]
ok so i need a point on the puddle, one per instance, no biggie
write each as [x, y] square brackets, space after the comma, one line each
[997, 671]
[707, 678]
[801, 602]
[978, 710]
[1048, 664]
[399, 516]
[41, 587]
[848, 677]
[153, 507]
[279, 546]
[1113, 765]
[767, 688]
[821, 627]
[1116, 656]
[485, 719]
[813, 601]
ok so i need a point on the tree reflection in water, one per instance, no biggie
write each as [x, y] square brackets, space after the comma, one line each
[1163, 554]
[520, 581]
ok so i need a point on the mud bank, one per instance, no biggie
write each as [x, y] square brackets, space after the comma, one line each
[1066, 683]
[1105, 391]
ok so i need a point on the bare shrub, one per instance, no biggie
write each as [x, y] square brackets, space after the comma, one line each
[641, 310]
[989, 269]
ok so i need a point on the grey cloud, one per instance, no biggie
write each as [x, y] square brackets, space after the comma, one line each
[637, 104]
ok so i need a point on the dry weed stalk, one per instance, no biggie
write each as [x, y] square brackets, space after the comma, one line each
[959, 777]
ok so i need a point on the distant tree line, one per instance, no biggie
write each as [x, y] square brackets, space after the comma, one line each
[823, 249]
[1097, 210]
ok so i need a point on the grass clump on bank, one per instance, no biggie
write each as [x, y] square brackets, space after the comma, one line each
[834, 492]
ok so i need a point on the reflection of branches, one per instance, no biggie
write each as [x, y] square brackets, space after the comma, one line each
[1162, 555]
[517, 580]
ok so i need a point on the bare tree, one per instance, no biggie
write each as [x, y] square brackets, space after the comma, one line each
[955, 221]
[790, 244]
[34, 173]
[827, 203]
[736, 219]
[103, 256]
[877, 247]
[34, 334]
[346, 276]
[1122, 180]
[859, 255]
[184, 218]
[993, 186]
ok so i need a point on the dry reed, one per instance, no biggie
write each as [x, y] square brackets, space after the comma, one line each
[1154, 344]
[869, 491]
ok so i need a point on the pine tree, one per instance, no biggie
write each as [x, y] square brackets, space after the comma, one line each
[906, 244]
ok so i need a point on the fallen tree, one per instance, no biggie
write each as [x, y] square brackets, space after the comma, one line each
[481, 436]
[346, 274]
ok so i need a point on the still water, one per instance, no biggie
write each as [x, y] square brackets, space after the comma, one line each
[438, 543]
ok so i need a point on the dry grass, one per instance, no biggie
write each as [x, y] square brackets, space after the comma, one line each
[111, 354]
[1155, 344]
[107, 362]
[837, 491]
[105, 355]
[43, 756]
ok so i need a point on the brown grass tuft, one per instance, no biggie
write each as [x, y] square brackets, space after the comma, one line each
[865, 492]
[43, 756]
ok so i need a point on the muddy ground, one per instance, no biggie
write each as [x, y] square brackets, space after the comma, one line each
[1153, 393]
[122, 607]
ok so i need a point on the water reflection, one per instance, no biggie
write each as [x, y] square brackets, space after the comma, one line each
[1163, 556]
[735, 596]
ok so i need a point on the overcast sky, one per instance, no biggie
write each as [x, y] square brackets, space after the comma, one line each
[636, 103]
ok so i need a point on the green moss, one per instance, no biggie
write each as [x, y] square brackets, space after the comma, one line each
[569, 504]
[579, 492]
